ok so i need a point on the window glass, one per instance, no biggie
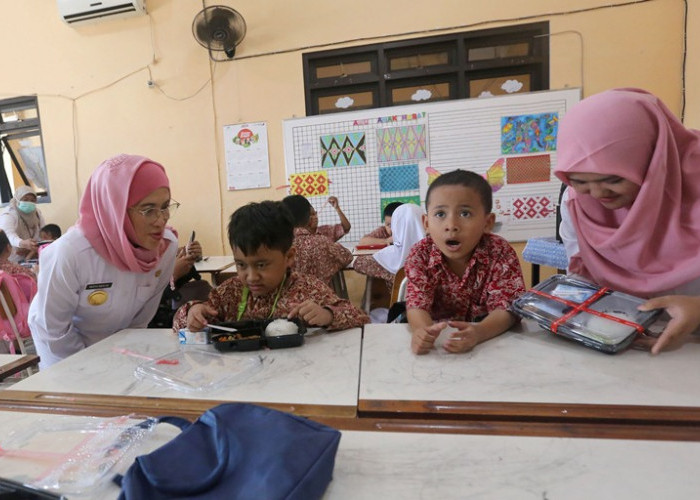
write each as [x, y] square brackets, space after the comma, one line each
[510, 84]
[347, 101]
[498, 52]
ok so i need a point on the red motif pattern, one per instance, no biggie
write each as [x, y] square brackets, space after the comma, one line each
[334, 231]
[493, 279]
[365, 264]
[297, 289]
[318, 256]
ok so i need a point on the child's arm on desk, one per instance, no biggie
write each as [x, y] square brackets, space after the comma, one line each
[423, 330]
[471, 334]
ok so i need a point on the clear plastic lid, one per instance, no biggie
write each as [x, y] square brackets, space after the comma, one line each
[71, 457]
[195, 370]
[609, 321]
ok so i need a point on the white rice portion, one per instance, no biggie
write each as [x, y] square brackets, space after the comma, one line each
[281, 327]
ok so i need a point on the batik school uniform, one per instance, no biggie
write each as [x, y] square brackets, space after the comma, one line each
[316, 255]
[332, 231]
[492, 280]
[233, 302]
[381, 233]
[407, 229]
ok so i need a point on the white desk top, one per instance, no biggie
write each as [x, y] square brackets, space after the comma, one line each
[407, 466]
[214, 263]
[6, 359]
[323, 371]
[531, 367]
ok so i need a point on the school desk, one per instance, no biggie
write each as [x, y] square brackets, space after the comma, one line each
[407, 466]
[427, 466]
[527, 374]
[14, 363]
[215, 265]
[318, 378]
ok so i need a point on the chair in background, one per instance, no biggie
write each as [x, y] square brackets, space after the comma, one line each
[547, 251]
[8, 312]
[398, 290]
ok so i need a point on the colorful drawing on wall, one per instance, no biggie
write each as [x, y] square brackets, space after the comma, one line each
[525, 169]
[399, 178]
[529, 133]
[432, 174]
[495, 175]
[343, 150]
[309, 183]
[531, 207]
[401, 199]
[401, 143]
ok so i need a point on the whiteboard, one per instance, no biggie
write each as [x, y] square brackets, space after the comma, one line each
[371, 157]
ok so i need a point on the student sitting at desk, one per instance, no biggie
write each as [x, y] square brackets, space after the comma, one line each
[407, 230]
[382, 235]
[5, 264]
[460, 273]
[261, 237]
[316, 255]
[333, 231]
[108, 271]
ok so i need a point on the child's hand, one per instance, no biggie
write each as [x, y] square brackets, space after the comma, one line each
[333, 201]
[422, 339]
[463, 340]
[194, 250]
[198, 316]
[311, 314]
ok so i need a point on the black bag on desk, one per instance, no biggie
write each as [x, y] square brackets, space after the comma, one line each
[237, 451]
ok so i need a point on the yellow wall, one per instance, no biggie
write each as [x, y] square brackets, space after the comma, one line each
[95, 101]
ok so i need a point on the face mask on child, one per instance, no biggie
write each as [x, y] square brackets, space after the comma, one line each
[26, 207]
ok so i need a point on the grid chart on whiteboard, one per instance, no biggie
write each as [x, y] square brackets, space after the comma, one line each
[364, 180]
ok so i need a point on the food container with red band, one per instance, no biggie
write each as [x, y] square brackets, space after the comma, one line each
[598, 317]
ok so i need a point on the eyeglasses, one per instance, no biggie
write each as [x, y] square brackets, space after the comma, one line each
[153, 214]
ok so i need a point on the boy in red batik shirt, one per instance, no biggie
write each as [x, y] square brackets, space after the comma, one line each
[261, 236]
[316, 255]
[460, 273]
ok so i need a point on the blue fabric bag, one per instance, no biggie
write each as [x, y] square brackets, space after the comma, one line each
[237, 451]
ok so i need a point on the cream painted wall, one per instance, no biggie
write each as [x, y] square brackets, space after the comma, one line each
[95, 102]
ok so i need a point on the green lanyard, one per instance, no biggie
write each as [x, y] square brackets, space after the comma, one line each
[244, 300]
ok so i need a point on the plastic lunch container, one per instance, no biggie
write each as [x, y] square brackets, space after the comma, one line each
[250, 336]
[597, 317]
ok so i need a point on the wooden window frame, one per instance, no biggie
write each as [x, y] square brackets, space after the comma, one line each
[459, 69]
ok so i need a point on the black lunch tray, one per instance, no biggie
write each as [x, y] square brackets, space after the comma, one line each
[251, 336]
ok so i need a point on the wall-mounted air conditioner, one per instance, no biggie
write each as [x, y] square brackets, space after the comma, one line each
[84, 11]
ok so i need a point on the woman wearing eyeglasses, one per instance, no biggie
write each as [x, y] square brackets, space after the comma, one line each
[109, 270]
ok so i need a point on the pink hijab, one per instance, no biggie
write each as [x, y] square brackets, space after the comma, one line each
[103, 210]
[652, 246]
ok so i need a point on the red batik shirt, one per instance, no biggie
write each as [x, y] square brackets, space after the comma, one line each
[331, 231]
[297, 289]
[493, 279]
[318, 256]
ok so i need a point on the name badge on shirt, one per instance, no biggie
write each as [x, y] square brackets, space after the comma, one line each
[98, 286]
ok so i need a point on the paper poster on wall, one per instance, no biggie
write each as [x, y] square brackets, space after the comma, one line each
[247, 157]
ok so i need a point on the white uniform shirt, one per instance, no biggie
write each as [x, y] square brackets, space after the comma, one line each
[82, 298]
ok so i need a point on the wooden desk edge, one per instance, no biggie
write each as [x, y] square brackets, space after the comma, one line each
[107, 405]
[19, 365]
[684, 415]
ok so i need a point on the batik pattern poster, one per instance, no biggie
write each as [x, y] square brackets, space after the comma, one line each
[401, 143]
[343, 150]
[309, 183]
[529, 133]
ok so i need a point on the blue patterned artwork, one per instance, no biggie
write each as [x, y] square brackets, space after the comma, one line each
[399, 178]
[343, 150]
[401, 143]
[529, 133]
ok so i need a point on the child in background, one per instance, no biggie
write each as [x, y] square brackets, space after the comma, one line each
[460, 273]
[407, 228]
[382, 235]
[332, 231]
[261, 237]
[50, 232]
[11, 267]
[316, 255]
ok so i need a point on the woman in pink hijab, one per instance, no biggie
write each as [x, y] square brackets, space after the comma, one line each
[631, 217]
[108, 271]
